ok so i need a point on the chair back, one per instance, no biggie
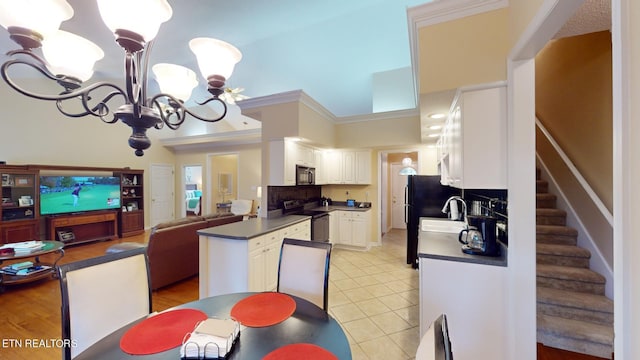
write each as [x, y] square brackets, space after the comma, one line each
[303, 270]
[102, 294]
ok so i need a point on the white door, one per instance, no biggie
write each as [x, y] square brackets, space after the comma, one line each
[398, 184]
[162, 193]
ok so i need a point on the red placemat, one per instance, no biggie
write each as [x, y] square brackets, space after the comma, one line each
[160, 332]
[300, 351]
[264, 309]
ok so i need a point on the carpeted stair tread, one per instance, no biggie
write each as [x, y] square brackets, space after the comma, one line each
[562, 250]
[556, 230]
[545, 201]
[542, 186]
[574, 299]
[550, 216]
[575, 329]
[569, 273]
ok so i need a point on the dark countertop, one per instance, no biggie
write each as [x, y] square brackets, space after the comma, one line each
[331, 208]
[245, 230]
[445, 246]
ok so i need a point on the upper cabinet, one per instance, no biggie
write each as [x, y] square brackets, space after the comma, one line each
[473, 146]
[332, 166]
[348, 166]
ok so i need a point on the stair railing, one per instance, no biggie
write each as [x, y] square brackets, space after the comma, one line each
[574, 171]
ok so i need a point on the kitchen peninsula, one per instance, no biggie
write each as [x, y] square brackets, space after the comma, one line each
[470, 289]
[243, 256]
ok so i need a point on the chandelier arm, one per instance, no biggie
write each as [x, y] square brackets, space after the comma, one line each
[178, 107]
[145, 68]
[213, 98]
[100, 110]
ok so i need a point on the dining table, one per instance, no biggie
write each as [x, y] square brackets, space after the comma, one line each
[308, 324]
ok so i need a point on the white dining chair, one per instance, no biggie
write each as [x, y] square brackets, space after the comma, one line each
[435, 344]
[102, 294]
[303, 270]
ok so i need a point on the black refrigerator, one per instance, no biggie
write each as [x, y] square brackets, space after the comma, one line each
[424, 197]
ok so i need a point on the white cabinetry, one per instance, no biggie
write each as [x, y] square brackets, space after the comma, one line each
[353, 228]
[348, 166]
[264, 253]
[474, 140]
[284, 155]
[236, 265]
[473, 296]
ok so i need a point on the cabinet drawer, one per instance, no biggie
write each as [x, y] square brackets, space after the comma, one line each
[257, 243]
[272, 237]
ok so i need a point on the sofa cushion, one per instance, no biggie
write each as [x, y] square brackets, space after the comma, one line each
[176, 222]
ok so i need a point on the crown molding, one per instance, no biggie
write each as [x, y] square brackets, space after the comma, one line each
[284, 98]
[220, 139]
[388, 115]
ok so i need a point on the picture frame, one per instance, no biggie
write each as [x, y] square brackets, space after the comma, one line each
[23, 181]
[25, 202]
[7, 180]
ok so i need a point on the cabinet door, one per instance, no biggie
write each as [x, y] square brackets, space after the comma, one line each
[363, 167]
[333, 159]
[256, 270]
[271, 259]
[348, 167]
[20, 231]
[344, 228]
[359, 232]
[321, 172]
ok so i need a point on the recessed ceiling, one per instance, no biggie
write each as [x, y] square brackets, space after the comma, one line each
[330, 49]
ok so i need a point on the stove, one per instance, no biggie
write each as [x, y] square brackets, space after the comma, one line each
[319, 218]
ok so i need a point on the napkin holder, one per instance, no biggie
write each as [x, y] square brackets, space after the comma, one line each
[211, 339]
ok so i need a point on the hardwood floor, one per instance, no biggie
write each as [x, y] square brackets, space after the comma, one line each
[31, 312]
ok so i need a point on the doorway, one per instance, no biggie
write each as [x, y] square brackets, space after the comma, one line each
[222, 180]
[192, 187]
[392, 187]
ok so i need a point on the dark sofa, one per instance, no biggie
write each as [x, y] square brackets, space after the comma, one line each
[173, 247]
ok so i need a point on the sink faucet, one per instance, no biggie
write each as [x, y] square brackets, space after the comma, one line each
[454, 210]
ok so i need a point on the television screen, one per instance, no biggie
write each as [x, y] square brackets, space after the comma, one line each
[70, 194]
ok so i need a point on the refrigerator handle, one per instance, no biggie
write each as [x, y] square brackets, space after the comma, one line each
[406, 205]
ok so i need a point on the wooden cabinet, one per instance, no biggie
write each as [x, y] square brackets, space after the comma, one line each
[19, 211]
[86, 227]
[473, 149]
[131, 216]
[354, 228]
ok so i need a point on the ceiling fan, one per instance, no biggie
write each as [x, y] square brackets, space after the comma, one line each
[230, 95]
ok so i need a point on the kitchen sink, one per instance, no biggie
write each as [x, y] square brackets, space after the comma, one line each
[441, 225]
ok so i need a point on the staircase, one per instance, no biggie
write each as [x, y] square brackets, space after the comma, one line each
[572, 311]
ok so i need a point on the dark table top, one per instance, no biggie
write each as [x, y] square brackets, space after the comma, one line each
[244, 230]
[308, 324]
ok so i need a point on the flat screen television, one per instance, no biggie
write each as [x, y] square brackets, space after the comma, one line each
[75, 194]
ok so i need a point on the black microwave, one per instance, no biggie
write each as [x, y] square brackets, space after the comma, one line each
[305, 175]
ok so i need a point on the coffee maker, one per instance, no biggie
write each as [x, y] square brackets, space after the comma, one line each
[481, 236]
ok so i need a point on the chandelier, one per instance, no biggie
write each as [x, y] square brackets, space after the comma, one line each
[68, 60]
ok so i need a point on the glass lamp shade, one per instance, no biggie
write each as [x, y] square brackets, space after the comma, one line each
[70, 54]
[142, 17]
[41, 16]
[215, 57]
[406, 161]
[408, 171]
[175, 80]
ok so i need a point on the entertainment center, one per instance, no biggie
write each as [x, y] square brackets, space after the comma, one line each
[71, 204]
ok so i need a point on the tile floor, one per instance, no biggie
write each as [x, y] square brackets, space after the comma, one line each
[374, 296]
